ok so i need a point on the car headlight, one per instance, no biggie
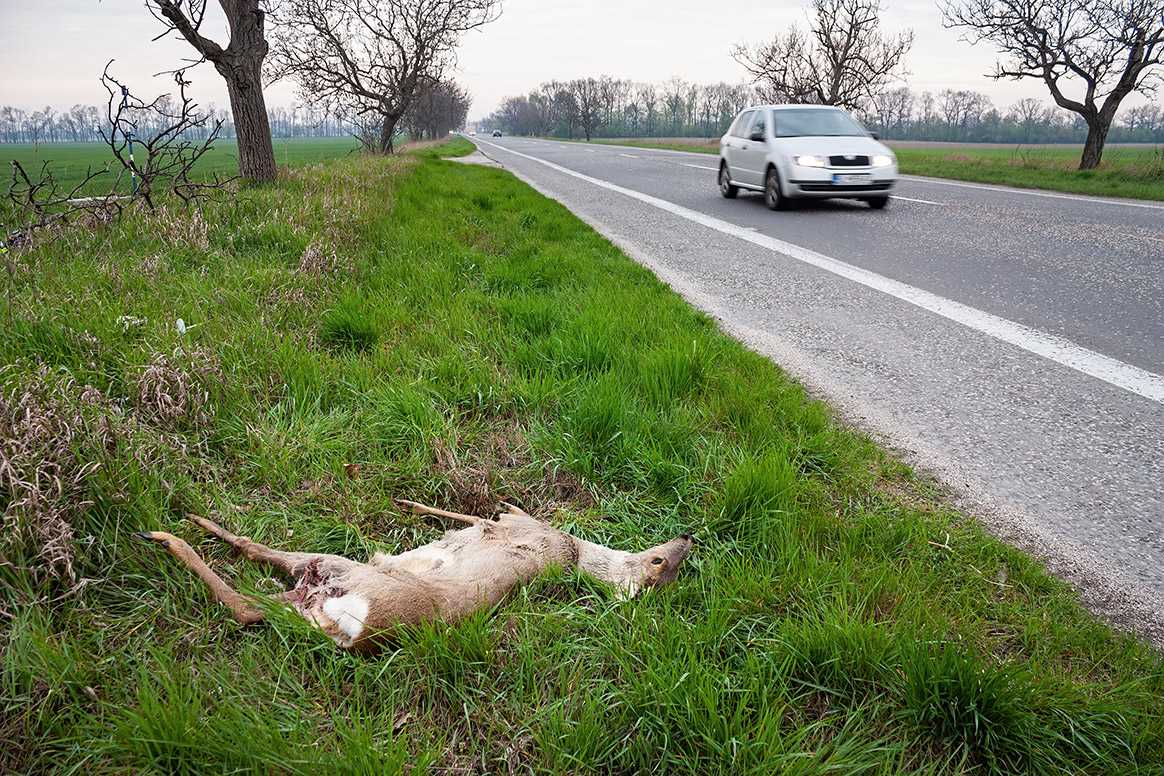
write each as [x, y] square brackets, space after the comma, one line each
[809, 161]
[882, 160]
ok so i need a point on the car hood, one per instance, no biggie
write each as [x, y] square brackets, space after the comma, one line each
[829, 146]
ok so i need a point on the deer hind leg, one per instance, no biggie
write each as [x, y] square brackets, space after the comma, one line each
[243, 611]
[292, 562]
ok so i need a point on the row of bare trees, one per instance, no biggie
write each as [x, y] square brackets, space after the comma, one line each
[432, 115]
[964, 115]
[677, 108]
[609, 107]
[369, 61]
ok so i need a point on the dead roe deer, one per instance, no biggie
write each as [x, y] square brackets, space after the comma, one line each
[360, 605]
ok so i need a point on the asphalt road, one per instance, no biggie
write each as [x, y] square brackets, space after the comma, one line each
[1010, 341]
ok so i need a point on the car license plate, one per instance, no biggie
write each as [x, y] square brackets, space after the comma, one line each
[851, 179]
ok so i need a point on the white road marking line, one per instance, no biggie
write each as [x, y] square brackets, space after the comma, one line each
[630, 156]
[923, 201]
[700, 167]
[1061, 351]
[1032, 192]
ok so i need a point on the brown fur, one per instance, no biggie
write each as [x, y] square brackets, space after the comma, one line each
[361, 605]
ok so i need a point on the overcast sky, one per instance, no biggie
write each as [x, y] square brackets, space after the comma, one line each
[53, 51]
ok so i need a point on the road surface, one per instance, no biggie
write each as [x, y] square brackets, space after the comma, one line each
[1010, 341]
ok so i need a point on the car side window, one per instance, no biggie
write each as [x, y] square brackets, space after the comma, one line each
[742, 124]
[759, 125]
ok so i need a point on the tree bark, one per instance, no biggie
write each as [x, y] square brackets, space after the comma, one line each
[387, 134]
[1093, 145]
[256, 151]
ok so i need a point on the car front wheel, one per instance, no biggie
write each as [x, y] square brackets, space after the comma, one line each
[773, 197]
[725, 182]
[877, 202]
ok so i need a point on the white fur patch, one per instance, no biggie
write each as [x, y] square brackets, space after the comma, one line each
[423, 559]
[349, 613]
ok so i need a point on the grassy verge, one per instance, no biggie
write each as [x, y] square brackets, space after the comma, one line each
[1135, 173]
[371, 328]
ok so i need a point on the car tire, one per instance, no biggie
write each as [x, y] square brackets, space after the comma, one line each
[725, 182]
[773, 197]
[877, 202]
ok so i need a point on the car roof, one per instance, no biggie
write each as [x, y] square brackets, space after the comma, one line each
[795, 106]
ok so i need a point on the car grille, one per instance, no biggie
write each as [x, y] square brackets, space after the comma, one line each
[848, 161]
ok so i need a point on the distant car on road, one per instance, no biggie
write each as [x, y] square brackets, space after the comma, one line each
[497, 133]
[795, 151]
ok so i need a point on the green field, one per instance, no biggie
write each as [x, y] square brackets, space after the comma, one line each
[1135, 173]
[373, 328]
[70, 161]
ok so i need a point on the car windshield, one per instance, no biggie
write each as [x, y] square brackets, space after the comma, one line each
[818, 122]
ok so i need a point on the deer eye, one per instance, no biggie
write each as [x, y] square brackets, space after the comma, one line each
[656, 561]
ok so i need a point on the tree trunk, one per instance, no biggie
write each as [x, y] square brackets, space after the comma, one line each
[256, 151]
[387, 134]
[1093, 146]
[241, 66]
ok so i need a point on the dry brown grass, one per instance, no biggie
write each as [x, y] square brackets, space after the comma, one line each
[55, 434]
[45, 420]
[960, 158]
[499, 465]
[320, 260]
[173, 390]
[180, 226]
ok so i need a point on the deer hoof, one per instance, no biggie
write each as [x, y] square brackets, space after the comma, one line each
[155, 537]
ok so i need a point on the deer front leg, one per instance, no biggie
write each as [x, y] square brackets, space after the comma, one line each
[291, 562]
[417, 508]
[243, 611]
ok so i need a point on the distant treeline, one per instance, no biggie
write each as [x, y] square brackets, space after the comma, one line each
[605, 107]
[82, 123]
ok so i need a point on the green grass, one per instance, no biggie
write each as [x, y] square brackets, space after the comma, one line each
[70, 161]
[1134, 173]
[409, 327]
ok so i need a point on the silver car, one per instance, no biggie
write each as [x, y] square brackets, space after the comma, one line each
[795, 151]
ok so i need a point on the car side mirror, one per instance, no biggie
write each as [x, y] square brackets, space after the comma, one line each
[756, 136]
[875, 135]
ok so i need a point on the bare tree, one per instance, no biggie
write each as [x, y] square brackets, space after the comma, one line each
[677, 97]
[894, 109]
[150, 143]
[541, 105]
[844, 60]
[647, 99]
[1028, 114]
[1107, 48]
[371, 59]
[441, 109]
[962, 110]
[588, 103]
[40, 124]
[165, 154]
[240, 63]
